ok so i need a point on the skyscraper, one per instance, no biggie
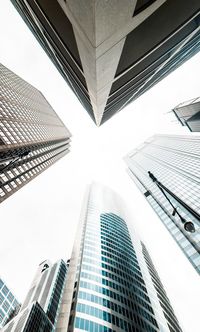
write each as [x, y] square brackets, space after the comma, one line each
[32, 136]
[9, 306]
[166, 170]
[39, 312]
[110, 52]
[188, 113]
[110, 283]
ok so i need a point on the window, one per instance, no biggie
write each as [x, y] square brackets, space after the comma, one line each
[5, 290]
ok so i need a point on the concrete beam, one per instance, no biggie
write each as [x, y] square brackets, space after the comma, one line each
[100, 29]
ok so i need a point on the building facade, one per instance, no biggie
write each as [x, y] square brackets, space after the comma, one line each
[109, 286]
[9, 306]
[32, 136]
[39, 312]
[174, 162]
[110, 52]
[188, 113]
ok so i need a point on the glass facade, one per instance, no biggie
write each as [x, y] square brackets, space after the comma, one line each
[175, 162]
[57, 290]
[109, 291]
[32, 136]
[9, 306]
[38, 320]
[40, 310]
[31, 319]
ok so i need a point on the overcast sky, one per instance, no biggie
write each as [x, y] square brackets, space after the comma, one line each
[39, 221]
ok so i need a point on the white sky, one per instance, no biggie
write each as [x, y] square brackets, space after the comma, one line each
[39, 221]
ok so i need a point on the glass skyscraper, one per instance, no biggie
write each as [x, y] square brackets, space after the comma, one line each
[188, 113]
[172, 187]
[39, 312]
[111, 283]
[32, 136]
[9, 306]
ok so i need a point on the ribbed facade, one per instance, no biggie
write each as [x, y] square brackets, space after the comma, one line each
[9, 306]
[188, 113]
[32, 136]
[109, 287]
[40, 310]
[168, 311]
[175, 162]
[111, 52]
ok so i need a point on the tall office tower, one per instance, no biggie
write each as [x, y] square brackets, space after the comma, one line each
[39, 312]
[32, 136]
[188, 113]
[110, 52]
[109, 286]
[9, 306]
[166, 170]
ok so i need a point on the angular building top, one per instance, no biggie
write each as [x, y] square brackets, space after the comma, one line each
[188, 113]
[9, 306]
[39, 312]
[111, 283]
[32, 136]
[110, 52]
[166, 170]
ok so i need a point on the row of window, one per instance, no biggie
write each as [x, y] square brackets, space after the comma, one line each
[120, 239]
[112, 276]
[104, 315]
[105, 303]
[131, 313]
[12, 132]
[112, 319]
[108, 220]
[114, 259]
[123, 279]
[11, 184]
[87, 325]
[111, 266]
[114, 219]
[117, 246]
[118, 232]
[120, 298]
[129, 288]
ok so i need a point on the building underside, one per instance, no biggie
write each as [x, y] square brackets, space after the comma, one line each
[188, 113]
[111, 52]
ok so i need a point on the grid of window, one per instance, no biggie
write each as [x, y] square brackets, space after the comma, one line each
[32, 136]
[56, 296]
[8, 303]
[87, 325]
[110, 287]
[38, 321]
[31, 319]
[175, 161]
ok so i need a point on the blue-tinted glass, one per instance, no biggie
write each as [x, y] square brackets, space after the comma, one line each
[6, 305]
[5, 290]
[1, 283]
[2, 315]
[10, 297]
[86, 325]
[1, 298]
